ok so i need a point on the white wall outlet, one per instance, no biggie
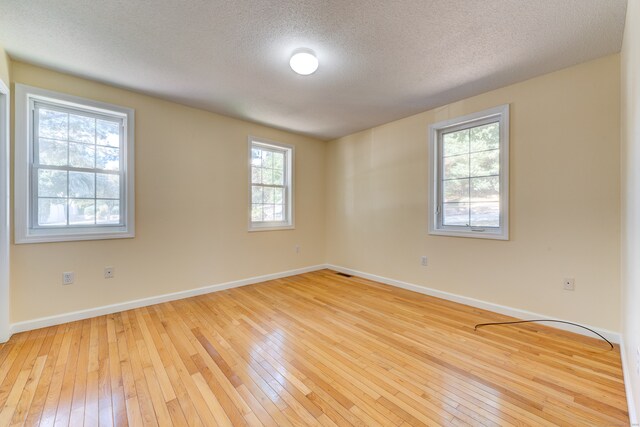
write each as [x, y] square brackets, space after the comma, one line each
[569, 284]
[638, 361]
[108, 272]
[424, 261]
[297, 248]
[68, 277]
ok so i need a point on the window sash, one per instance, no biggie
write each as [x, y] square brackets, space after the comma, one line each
[441, 169]
[285, 205]
[35, 166]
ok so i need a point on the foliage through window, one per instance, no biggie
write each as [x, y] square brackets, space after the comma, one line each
[271, 179]
[77, 182]
[469, 180]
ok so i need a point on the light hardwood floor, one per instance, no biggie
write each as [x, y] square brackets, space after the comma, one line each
[314, 349]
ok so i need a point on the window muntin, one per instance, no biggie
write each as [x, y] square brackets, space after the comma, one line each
[270, 185]
[469, 183]
[74, 168]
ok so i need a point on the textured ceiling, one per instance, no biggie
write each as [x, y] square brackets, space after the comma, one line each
[379, 60]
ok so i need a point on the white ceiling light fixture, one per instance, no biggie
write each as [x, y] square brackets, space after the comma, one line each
[304, 61]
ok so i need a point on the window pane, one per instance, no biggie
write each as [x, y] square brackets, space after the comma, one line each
[485, 189]
[52, 124]
[82, 184]
[455, 143]
[82, 212]
[108, 212]
[278, 195]
[267, 176]
[485, 137]
[455, 214]
[256, 213]
[52, 183]
[107, 186]
[268, 212]
[456, 190]
[268, 194]
[108, 158]
[52, 211]
[485, 163]
[256, 194]
[278, 161]
[82, 155]
[267, 159]
[485, 214]
[456, 167]
[278, 178]
[278, 213]
[256, 157]
[108, 133]
[52, 152]
[256, 175]
[82, 129]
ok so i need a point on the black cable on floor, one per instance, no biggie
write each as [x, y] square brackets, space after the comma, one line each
[542, 320]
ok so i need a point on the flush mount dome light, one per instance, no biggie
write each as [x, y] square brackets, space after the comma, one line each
[304, 62]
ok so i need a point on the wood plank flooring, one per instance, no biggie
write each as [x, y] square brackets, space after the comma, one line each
[314, 349]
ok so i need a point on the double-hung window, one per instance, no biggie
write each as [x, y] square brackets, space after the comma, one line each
[271, 181]
[469, 177]
[74, 168]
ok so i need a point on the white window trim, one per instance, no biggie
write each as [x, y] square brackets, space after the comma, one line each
[24, 233]
[280, 225]
[5, 163]
[501, 233]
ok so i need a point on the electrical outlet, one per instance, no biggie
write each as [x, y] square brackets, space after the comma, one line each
[68, 277]
[638, 360]
[297, 248]
[424, 261]
[569, 284]
[108, 272]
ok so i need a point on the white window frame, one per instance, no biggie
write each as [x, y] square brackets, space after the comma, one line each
[5, 166]
[499, 114]
[25, 230]
[289, 150]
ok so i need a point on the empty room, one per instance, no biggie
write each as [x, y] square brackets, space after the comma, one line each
[330, 213]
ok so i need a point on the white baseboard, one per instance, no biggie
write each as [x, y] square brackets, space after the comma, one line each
[44, 322]
[497, 308]
[626, 371]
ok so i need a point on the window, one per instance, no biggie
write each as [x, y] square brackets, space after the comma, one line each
[74, 168]
[271, 181]
[469, 180]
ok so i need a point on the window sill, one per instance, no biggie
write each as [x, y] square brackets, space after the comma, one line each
[498, 235]
[51, 236]
[253, 228]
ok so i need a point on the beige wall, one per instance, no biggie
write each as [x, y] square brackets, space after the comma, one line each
[564, 201]
[630, 156]
[191, 211]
